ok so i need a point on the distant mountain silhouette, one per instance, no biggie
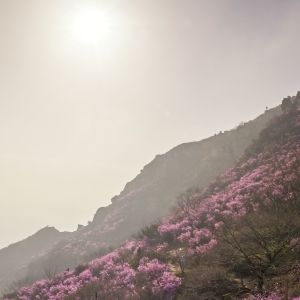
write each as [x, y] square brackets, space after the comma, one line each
[14, 259]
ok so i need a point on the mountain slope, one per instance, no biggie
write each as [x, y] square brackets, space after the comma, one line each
[17, 255]
[266, 178]
[147, 197]
[152, 193]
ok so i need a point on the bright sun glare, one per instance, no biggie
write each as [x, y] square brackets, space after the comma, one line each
[93, 32]
[90, 27]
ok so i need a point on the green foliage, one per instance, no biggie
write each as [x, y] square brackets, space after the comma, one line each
[150, 231]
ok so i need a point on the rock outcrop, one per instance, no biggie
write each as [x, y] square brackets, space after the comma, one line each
[291, 102]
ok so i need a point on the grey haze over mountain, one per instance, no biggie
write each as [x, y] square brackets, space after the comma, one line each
[149, 196]
[77, 120]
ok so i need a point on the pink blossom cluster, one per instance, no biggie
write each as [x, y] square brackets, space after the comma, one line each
[113, 273]
[159, 274]
[149, 247]
[56, 288]
[295, 244]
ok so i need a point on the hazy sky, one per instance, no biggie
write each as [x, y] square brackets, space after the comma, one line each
[91, 91]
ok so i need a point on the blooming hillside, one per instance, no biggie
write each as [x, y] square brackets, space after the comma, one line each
[271, 163]
[147, 197]
[120, 274]
[239, 235]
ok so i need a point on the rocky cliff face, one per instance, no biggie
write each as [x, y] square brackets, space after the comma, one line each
[153, 192]
[146, 198]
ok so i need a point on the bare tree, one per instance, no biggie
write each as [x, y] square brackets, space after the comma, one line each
[208, 282]
[260, 242]
[187, 202]
[178, 257]
[50, 270]
[101, 251]
[16, 284]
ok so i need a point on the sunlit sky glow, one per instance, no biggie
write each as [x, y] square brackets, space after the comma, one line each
[92, 32]
[89, 26]
[92, 90]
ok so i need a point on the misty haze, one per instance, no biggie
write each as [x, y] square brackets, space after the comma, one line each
[149, 150]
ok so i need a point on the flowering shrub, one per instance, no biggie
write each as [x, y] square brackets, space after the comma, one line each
[56, 288]
[114, 276]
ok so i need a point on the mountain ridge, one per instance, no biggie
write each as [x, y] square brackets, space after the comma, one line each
[218, 230]
[148, 196]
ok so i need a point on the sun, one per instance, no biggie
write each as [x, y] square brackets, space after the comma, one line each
[93, 33]
[90, 27]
